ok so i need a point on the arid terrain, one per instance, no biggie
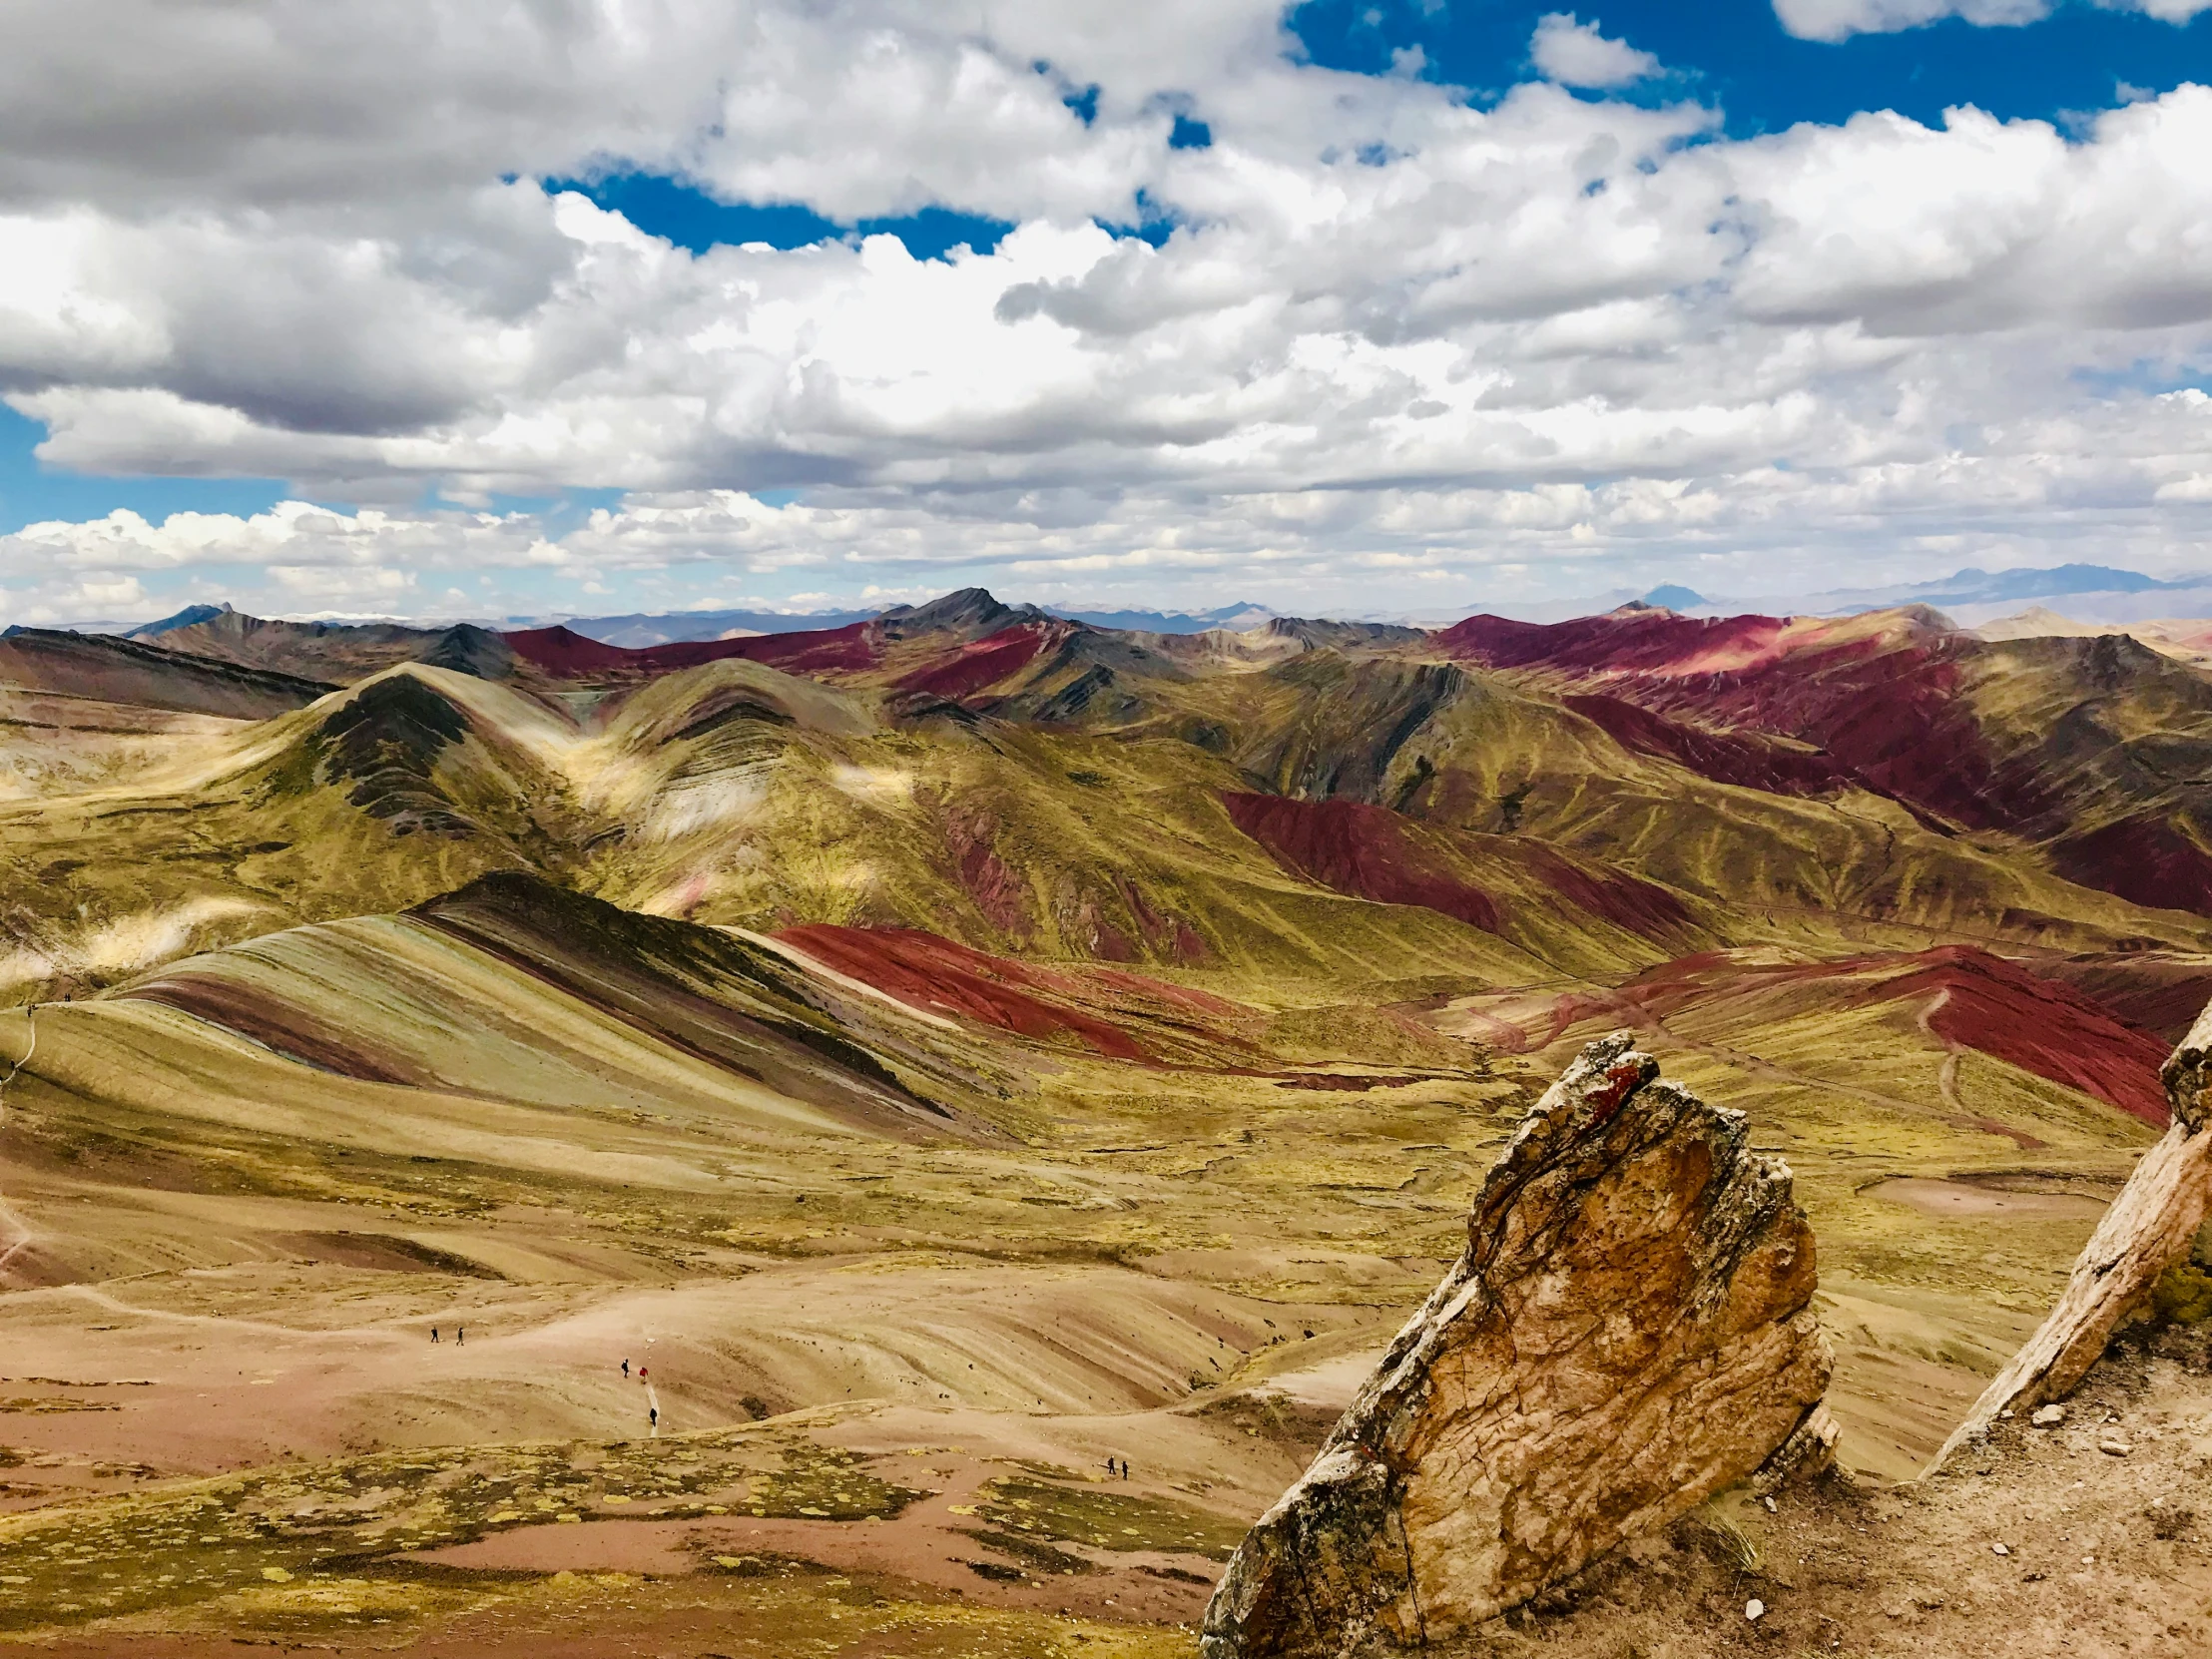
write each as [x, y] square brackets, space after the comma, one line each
[510, 1144]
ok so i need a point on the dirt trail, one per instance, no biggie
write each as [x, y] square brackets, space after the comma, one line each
[1946, 1078]
[268, 1328]
[8, 1216]
[1635, 1016]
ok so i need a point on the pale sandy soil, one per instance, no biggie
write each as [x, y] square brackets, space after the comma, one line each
[2103, 1554]
[1961, 1198]
[134, 1372]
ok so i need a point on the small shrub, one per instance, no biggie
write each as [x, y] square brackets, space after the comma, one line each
[2171, 1520]
[2183, 1295]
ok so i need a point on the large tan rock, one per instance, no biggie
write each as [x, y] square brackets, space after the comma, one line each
[1626, 1335]
[2150, 1226]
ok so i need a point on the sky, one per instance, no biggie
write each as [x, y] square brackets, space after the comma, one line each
[1390, 307]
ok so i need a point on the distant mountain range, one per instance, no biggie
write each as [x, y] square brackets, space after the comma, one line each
[673, 627]
[2089, 593]
[2004, 587]
[639, 630]
[2092, 594]
[2100, 594]
[1236, 618]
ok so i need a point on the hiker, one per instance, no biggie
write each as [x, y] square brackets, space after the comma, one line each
[1125, 1469]
[460, 1334]
[434, 1332]
[653, 1416]
[626, 1369]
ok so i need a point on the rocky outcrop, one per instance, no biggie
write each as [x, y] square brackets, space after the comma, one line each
[2150, 1226]
[1627, 1333]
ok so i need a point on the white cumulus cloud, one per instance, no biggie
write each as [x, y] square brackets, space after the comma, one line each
[1576, 54]
[1839, 20]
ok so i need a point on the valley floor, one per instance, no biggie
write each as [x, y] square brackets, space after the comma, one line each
[881, 1529]
[889, 1378]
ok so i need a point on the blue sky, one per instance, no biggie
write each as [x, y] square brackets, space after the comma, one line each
[381, 304]
[31, 491]
[1733, 54]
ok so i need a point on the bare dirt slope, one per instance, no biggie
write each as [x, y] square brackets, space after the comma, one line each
[2094, 1538]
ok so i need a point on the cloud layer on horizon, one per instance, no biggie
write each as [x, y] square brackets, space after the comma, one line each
[1398, 340]
[1838, 20]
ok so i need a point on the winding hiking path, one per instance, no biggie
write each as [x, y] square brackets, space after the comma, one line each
[1947, 1078]
[1947, 1075]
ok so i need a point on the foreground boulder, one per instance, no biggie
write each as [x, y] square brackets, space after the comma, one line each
[1626, 1335]
[2149, 1228]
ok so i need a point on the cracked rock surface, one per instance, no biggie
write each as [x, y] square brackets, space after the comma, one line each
[1627, 1333]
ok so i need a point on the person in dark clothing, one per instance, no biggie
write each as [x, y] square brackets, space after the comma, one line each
[434, 1332]
[653, 1416]
[626, 1370]
[460, 1334]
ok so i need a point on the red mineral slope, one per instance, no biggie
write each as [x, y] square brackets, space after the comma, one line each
[2146, 860]
[2161, 991]
[1641, 642]
[1000, 893]
[1968, 996]
[1634, 639]
[1879, 694]
[1894, 717]
[1637, 906]
[2039, 1026]
[932, 973]
[569, 655]
[1360, 849]
[1747, 760]
[969, 668]
[1369, 852]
